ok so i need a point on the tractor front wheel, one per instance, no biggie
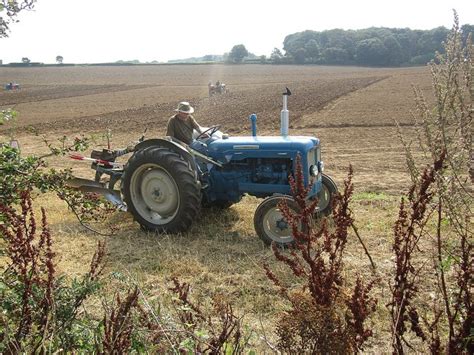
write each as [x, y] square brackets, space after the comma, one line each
[270, 224]
[326, 195]
[161, 190]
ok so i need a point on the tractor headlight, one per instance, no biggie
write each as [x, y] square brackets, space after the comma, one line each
[313, 170]
[321, 166]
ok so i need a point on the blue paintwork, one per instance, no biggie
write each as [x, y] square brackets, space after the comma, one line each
[273, 143]
[254, 165]
[253, 121]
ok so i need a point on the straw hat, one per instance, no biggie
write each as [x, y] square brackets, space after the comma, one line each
[185, 107]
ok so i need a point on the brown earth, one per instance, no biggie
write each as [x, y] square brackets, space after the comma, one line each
[353, 110]
[89, 98]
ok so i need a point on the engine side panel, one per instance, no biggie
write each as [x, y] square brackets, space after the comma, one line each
[259, 166]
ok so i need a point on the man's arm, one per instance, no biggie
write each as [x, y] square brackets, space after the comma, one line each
[196, 126]
[170, 131]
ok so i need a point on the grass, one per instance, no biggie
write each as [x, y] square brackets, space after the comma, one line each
[220, 254]
[370, 196]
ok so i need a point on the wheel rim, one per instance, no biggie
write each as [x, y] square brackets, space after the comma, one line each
[154, 194]
[324, 197]
[276, 227]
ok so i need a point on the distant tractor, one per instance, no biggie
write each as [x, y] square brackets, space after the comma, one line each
[165, 182]
[12, 86]
[217, 88]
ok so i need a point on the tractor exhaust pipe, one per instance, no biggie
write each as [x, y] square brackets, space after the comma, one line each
[285, 114]
[253, 120]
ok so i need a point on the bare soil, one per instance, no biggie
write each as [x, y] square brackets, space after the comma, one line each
[354, 111]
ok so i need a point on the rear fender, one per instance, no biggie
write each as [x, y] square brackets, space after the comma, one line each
[168, 144]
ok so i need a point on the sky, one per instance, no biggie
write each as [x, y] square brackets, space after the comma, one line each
[98, 31]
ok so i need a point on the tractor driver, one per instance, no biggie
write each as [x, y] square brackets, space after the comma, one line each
[181, 125]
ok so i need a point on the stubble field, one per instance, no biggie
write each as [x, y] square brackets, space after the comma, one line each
[353, 111]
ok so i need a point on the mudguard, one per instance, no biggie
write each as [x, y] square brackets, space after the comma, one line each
[169, 144]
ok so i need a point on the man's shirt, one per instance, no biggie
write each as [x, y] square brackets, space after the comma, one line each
[182, 129]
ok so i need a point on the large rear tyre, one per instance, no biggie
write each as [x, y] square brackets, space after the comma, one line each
[326, 196]
[269, 223]
[161, 190]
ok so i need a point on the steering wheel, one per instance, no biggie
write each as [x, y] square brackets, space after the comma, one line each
[210, 131]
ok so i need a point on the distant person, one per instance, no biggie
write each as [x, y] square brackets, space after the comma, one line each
[182, 124]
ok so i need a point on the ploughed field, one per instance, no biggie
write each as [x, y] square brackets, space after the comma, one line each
[354, 111]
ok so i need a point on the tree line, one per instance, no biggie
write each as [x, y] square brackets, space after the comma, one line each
[375, 46]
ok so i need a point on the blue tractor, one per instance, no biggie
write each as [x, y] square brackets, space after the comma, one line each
[165, 183]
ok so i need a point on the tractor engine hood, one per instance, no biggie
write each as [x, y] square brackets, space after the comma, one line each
[237, 148]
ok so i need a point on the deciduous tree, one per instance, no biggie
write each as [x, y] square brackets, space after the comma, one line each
[9, 9]
[238, 53]
[276, 56]
[300, 56]
[372, 51]
[312, 50]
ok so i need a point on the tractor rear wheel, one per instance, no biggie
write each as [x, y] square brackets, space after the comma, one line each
[161, 190]
[270, 224]
[326, 195]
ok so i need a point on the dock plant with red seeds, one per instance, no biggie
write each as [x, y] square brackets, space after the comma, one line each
[322, 317]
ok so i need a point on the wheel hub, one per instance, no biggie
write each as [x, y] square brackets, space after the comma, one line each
[159, 192]
[282, 224]
[276, 226]
[156, 194]
[271, 223]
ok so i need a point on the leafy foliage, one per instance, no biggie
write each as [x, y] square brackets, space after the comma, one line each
[9, 9]
[118, 325]
[31, 173]
[408, 232]
[370, 46]
[7, 115]
[238, 53]
[19, 174]
[42, 311]
[442, 196]
[41, 308]
[321, 318]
